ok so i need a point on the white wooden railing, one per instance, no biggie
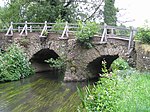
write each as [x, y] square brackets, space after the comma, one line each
[44, 30]
[24, 28]
[66, 31]
[10, 30]
[112, 34]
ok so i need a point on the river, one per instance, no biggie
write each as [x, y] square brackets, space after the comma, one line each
[42, 92]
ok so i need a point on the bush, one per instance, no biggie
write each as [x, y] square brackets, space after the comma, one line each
[85, 33]
[143, 35]
[14, 64]
[24, 42]
[59, 25]
[119, 64]
[102, 97]
[116, 94]
[57, 63]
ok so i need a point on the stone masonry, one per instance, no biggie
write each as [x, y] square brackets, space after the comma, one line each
[77, 57]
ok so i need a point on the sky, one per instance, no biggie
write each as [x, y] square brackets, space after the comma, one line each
[135, 11]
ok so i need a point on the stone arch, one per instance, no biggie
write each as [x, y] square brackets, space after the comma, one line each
[95, 66]
[83, 59]
[95, 56]
[38, 59]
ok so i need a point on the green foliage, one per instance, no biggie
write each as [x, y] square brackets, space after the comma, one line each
[117, 93]
[59, 25]
[37, 11]
[24, 42]
[14, 65]
[57, 63]
[102, 97]
[45, 33]
[110, 12]
[119, 64]
[133, 93]
[85, 33]
[143, 35]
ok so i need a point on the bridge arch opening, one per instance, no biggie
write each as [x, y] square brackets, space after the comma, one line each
[95, 67]
[38, 60]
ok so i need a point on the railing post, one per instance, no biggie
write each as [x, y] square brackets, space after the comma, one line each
[112, 31]
[26, 28]
[30, 28]
[45, 25]
[44, 29]
[66, 29]
[130, 39]
[104, 33]
[11, 29]
[19, 29]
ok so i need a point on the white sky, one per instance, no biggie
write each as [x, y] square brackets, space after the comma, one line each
[137, 10]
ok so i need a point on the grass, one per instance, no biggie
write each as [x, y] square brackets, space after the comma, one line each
[131, 93]
[134, 93]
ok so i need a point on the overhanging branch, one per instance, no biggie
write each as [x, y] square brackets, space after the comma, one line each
[95, 10]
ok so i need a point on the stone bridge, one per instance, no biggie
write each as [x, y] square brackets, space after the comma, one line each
[81, 63]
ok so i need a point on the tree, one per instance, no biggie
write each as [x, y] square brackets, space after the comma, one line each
[37, 11]
[110, 13]
[90, 10]
[49, 10]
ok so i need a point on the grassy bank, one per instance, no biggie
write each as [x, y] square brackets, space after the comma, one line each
[134, 93]
[126, 91]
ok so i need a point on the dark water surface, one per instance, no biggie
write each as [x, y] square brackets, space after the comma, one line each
[42, 92]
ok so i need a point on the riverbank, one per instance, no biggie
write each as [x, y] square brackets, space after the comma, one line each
[143, 56]
[125, 90]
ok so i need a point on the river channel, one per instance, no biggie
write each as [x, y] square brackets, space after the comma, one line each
[42, 92]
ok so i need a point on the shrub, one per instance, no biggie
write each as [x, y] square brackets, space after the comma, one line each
[57, 63]
[143, 35]
[117, 94]
[14, 64]
[102, 96]
[119, 64]
[24, 42]
[59, 25]
[85, 33]
[45, 33]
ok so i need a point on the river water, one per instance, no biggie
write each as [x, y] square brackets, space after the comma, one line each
[42, 92]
